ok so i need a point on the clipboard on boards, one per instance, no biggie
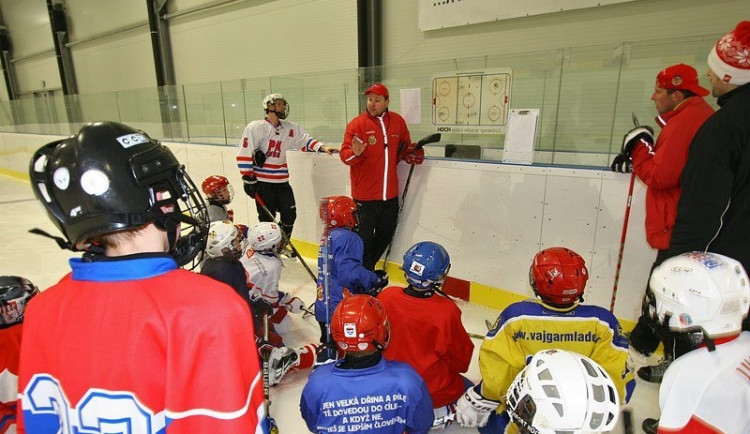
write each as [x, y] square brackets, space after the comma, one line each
[520, 136]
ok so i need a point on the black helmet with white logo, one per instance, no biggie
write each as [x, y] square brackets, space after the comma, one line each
[111, 177]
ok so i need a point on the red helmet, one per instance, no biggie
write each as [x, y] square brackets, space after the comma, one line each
[359, 323]
[558, 275]
[214, 187]
[339, 211]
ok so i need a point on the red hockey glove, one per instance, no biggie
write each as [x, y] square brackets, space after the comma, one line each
[412, 155]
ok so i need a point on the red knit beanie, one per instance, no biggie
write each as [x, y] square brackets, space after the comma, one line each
[730, 58]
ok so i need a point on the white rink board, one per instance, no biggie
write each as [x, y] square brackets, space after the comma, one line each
[491, 217]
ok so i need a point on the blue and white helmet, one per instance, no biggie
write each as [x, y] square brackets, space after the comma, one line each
[426, 265]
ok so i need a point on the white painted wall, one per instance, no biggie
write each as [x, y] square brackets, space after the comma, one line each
[492, 218]
[634, 21]
[267, 38]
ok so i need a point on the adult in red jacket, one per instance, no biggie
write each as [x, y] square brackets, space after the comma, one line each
[682, 110]
[374, 142]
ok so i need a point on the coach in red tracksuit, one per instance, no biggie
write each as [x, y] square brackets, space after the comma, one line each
[678, 98]
[374, 142]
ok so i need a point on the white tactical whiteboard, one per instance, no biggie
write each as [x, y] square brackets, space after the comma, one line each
[438, 14]
[471, 102]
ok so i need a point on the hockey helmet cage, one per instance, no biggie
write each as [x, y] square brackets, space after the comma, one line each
[265, 237]
[359, 323]
[110, 177]
[340, 211]
[270, 101]
[426, 264]
[15, 293]
[561, 391]
[224, 239]
[558, 276]
[217, 189]
[699, 294]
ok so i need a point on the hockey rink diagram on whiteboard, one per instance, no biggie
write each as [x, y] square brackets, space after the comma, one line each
[471, 102]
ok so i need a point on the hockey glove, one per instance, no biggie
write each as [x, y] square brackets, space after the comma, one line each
[643, 134]
[259, 158]
[292, 304]
[250, 185]
[264, 347]
[473, 410]
[381, 283]
[622, 163]
[325, 353]
[260, 306]
[413, 154]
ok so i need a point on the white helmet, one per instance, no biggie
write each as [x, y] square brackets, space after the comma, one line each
[563, 391]
[221, 240]
[271, 99]
[265, 237]
[703, 294]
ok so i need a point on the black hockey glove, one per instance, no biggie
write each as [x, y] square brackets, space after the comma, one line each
[250, 184]
[325, 353]
[261, 307]
[259, 158]
[634, 136]
[381, 283]
[622, 163]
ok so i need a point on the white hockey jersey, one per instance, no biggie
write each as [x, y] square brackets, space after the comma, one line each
[708, 391]
[273, 142]
[263, 275]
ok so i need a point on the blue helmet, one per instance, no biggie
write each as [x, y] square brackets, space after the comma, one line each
[426, 264]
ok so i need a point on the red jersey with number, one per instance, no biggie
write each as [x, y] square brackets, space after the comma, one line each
[136, 345]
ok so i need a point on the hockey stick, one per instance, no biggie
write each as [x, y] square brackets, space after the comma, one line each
[476, 336]
[325, 269]
[433, 138]
[288, 240]
[266, 379]
[624, 231]
[627, 421]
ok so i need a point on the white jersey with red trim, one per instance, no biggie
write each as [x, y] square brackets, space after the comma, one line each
[263, 272]
[708, 391]
[273, 141]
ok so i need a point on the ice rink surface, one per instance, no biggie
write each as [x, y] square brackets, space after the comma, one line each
[40, 260]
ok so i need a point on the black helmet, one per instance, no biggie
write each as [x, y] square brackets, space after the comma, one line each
[15, 293]
[107, 178]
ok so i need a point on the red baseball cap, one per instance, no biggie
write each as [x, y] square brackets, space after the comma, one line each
[680, 77]
[378, 89]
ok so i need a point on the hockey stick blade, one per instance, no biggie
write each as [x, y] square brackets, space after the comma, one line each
[432, 138]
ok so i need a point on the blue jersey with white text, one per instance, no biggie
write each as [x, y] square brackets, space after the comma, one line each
[389, 397]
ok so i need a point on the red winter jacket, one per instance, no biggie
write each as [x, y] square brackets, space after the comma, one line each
[373, 173]
[660, 169]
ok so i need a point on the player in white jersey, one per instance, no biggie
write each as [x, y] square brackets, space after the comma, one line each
[702, 299]
[261, 158]
[263, 271]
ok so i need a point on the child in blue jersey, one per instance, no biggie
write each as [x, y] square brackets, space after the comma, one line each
[363, 391]
[555, 319]
[342, 271]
